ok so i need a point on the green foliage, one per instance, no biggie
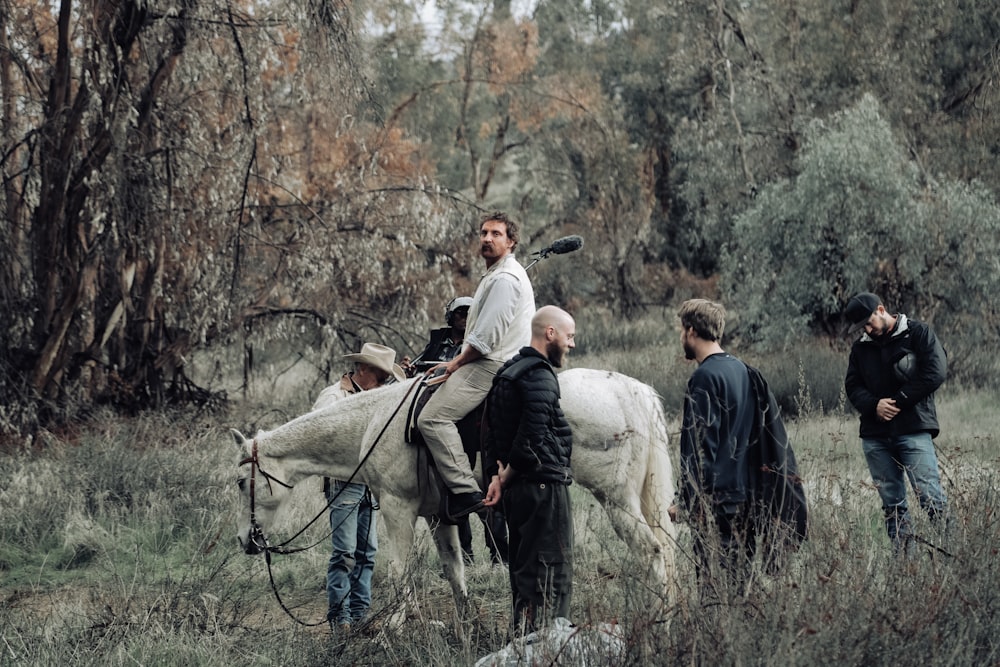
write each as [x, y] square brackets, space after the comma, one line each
[860, 215]
[307, 177]
[806, 380]
[646, 348]
[219, 180]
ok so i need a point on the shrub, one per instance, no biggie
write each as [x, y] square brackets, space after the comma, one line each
[860, 215]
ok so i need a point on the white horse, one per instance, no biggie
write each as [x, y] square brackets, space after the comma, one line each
[619, 455]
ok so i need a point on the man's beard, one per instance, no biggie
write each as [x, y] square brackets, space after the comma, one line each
[555, 354]
[879, 332]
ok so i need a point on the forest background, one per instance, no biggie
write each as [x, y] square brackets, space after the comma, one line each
[258, 186]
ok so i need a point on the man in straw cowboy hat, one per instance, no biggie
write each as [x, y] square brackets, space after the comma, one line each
[352, 519]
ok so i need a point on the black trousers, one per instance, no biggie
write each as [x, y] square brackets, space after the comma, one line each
[725, 543]
[540, 535]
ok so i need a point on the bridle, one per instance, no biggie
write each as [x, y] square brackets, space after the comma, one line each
[256, 536]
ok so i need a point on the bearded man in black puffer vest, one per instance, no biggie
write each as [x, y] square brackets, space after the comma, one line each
[528, 450]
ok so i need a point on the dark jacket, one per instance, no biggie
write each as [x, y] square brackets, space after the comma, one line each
[526, 426]
[908, 367]
[779, 504]
[715, 432]
[442, 346]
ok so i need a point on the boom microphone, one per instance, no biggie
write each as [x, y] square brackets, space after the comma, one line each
[566, 244]
[562, 246]
[559, 247]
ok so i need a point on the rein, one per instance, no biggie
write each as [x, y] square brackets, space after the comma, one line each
[256, 535]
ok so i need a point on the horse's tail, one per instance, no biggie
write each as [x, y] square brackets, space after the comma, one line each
[658, 489]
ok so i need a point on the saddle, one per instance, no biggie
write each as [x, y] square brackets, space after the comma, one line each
[470, 429]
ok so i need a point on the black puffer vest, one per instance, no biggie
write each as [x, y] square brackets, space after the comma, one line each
[527, 427]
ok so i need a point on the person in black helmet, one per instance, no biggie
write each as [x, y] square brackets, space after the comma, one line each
[894, 369]
[444, 343]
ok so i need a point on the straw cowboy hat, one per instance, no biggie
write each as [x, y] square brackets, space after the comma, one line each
[380, 357]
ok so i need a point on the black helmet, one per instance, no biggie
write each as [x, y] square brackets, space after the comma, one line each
[455, 304]
[905, 367]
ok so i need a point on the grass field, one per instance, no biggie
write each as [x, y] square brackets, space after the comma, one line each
[119, 548]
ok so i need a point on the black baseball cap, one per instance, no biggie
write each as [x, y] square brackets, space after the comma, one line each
[859, 310]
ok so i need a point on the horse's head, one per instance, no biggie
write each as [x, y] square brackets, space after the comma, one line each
[262, 493]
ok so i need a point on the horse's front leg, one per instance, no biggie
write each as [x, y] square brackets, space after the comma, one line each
[450, 553]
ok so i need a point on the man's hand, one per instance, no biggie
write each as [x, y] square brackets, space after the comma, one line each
[448, 367]
[506, 474]
[493, 492]
[673, 512]
[495, 489]
[886, 409]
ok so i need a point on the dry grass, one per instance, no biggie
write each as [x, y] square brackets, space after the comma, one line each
[118, 549]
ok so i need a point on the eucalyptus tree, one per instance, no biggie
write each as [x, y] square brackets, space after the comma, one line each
[721, 93]
[174, 172]
[497, 117]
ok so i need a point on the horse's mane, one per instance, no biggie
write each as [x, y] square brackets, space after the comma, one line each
[312, 428]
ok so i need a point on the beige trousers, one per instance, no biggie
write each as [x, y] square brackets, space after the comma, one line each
[464, 390]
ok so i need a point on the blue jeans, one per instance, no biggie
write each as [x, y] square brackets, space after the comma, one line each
[891, 460]
[355, 541]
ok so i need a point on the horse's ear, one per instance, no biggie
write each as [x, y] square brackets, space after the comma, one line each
[238, 437]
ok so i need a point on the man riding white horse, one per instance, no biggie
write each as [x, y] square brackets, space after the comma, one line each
[499, 325]
[619, 453]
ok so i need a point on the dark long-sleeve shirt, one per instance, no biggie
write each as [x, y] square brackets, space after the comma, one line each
[718, 417]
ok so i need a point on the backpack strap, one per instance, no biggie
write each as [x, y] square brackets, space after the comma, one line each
[519, 368]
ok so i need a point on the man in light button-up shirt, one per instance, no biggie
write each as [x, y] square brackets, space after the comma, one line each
[499, 325]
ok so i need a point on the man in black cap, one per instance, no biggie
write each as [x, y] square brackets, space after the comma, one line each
[895, 367]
